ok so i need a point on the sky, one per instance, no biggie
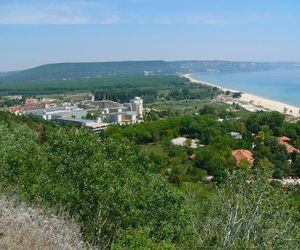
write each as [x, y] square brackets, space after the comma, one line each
[36, 32]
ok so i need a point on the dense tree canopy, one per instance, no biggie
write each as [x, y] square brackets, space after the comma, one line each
[106, 186]
[115, 184]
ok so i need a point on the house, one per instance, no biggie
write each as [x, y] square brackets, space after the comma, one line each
[15, 109]
[243, 154]
[284, 140]
[31, 100]
[27, 107]
[182, 141]
[33, 106]
[236, 135]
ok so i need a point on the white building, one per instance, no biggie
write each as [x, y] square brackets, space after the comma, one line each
[182, 141]
[129, 117]
[137, 105]
[236, 135]
[114, 117]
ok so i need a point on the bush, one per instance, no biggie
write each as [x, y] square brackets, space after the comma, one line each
[107, 187]
[247, 213]
[25, 227]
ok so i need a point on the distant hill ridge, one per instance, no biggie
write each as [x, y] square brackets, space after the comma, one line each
[86, 70]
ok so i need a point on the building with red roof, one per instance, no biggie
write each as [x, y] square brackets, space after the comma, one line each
[243, 154]
[26, 107]
[284, 140]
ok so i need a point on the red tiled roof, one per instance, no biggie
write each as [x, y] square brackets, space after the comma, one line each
[290, 148]
[283, 140]
[33, 106]
[15, 108]
[242, 154]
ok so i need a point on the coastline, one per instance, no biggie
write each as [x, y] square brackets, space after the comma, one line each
[253, 102]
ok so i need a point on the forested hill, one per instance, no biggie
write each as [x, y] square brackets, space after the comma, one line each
[71, 71]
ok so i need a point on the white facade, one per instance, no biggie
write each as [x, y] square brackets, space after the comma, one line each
[131, 116]
[137, 105]
[115, 117]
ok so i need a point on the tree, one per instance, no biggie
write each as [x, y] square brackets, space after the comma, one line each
[236, 94]
[90, 116]
[273, 119]
[107, 187]
[215, 163]
[247, 212]
[296, 166]
[185, 91]
[207, 110]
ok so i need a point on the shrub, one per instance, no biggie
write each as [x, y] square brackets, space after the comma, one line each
[23, 227]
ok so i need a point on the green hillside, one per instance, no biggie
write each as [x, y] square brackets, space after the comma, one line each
[76, 71]
[71, 71]
[133, 189]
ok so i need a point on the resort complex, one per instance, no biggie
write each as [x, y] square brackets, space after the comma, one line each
[96, 115]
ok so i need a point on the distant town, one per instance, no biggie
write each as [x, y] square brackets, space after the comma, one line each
[96, 115]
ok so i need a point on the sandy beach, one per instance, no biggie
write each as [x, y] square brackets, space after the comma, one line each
[253, 103]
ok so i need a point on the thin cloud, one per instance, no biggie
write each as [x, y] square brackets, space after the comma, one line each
[204, 19]
[191, 20]
[33, 12]
[53, 12]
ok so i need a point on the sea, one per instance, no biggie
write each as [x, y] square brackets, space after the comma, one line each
[281, 84]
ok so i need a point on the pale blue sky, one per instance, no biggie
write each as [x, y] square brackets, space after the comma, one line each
[36, 32]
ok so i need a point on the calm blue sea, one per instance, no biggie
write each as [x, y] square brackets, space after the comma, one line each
[281, 85]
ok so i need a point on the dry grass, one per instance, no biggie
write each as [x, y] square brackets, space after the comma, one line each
[23, 227]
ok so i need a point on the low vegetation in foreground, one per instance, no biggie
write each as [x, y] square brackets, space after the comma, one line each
[24, 227]
[123, 196]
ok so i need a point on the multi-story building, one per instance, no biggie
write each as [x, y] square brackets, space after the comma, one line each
[137, 105]
[26, 107]
[99, 104]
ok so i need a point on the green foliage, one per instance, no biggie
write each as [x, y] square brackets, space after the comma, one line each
[292, 130]
[192, 91]
[237, 95]
[118, 191]
[201, 127]
[246, 212]
[295, 199]
[107, 187]
[140, 240]
[122, 85]
[216, 163]
[121, 89]
[215, 157]
[296, 165]
[9, 103]
[67, 71]
[273, 119]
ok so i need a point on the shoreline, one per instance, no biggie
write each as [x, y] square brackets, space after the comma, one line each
[253, 102]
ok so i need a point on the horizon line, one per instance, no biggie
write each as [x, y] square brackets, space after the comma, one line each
[156, 60]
